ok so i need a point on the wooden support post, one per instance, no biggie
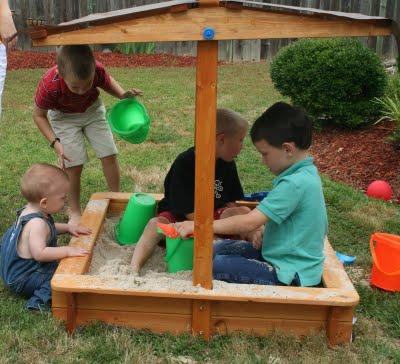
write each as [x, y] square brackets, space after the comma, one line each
[206, 105]
[340, 325]
[201, 318]
[71, 313]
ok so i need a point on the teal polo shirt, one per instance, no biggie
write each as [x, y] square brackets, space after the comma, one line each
[297, 224]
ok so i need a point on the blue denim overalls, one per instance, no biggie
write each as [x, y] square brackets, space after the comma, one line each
[27, 277]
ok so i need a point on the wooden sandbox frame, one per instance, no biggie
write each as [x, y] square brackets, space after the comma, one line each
[80, 299]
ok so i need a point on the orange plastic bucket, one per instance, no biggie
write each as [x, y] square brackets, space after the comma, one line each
[385, 250]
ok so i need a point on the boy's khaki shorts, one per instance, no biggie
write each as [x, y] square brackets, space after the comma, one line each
[71, 129]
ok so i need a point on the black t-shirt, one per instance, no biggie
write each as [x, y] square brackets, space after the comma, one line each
[179, 185]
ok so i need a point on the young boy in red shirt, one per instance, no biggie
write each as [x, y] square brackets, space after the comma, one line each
[68, 108]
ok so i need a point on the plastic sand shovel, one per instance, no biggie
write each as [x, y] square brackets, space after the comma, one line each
[345, 259]
[168, 230]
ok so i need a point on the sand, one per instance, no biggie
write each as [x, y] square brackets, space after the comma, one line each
[112, 260]
[111, 263]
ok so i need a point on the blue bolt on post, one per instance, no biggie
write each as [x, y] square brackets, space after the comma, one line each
[208, 33]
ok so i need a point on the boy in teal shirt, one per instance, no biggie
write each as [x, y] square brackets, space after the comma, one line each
[294, 212]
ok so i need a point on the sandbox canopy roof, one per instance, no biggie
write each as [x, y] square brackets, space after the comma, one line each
[176, 6]
[129, 12]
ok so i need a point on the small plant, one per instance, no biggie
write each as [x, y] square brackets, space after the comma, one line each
[390, 110]
[133, 48]
[335, 80]
[393, 87]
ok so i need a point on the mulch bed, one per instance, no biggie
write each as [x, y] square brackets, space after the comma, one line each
[28, 59]
[354, 157]
[358, 157]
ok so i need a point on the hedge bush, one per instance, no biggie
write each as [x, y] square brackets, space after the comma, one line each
[335, 80]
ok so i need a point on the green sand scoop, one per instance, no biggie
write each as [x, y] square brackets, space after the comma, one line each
[128, 119]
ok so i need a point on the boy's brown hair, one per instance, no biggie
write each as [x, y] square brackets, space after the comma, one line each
[41, 180]
[230, 122]
[283, 123]
[76, 59]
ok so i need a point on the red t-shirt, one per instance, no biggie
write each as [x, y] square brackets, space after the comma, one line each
[53, 94]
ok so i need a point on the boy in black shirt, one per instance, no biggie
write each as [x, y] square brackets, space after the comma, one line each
[178, 203]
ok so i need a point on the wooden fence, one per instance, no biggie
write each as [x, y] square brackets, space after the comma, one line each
[57, 11]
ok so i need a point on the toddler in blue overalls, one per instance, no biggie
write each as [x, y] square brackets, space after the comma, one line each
[29, 254]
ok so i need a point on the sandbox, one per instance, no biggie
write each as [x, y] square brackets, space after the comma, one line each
[80, 298]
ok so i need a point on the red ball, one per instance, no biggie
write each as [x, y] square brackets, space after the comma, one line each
[380, 189]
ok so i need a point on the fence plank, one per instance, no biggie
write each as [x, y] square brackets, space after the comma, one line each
[387, 43]
[379, 40]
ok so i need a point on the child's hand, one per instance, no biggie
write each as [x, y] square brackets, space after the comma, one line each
[257, 243]
[61, 156]
[255, 237]
[8, 33]
[76, 230]
[76, 252]
[132, 93]
[184, 228]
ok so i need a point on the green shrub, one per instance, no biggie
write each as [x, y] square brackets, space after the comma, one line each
[335, 80]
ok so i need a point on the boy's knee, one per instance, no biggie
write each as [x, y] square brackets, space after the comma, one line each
[152, 224]
[158, 219]
[219, 263]
[224, 268]
[221, 246]
[111, 159]
[153, 221]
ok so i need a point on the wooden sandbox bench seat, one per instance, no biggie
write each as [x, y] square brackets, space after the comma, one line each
[80, 299]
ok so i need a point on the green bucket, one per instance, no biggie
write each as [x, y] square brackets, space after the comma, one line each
[128, 119]
[140, 209]
[179, 254]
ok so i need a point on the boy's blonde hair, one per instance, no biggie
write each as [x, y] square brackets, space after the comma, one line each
[230, 122]
[41, 180]
[76, 59]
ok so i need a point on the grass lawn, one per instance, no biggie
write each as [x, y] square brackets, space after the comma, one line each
[169, 97]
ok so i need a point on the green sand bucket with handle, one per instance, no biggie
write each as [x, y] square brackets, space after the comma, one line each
[140, 209]
[179, 255]
[128, 119]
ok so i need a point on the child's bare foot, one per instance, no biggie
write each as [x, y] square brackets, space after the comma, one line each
[74, 219]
